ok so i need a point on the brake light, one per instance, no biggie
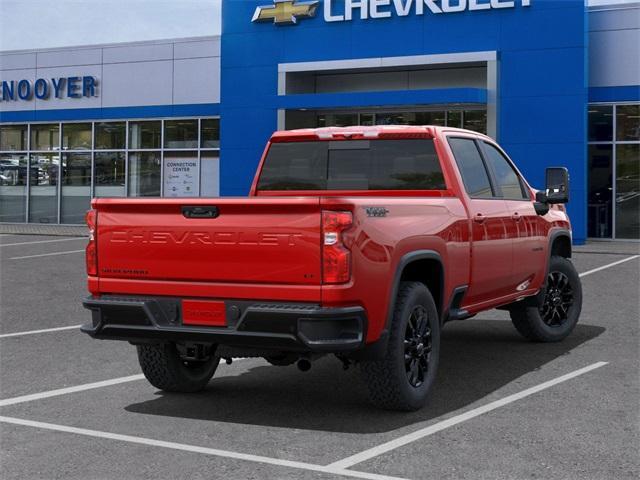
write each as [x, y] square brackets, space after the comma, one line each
[92, 248]
[336, 258]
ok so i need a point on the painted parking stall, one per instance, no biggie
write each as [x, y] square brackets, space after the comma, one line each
[330, 444]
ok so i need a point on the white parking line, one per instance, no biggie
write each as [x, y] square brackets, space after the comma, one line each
[66, 391]
[609, 265]
[195, 449]
[77, 388]
[44, 241]
[44, 330]
[450, 422]
[46, 254]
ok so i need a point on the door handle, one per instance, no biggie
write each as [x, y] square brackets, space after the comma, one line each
[516, 216]
[480, 218]
[200, 212]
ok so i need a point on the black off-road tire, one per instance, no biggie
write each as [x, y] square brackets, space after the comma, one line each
[388, 380]
[531, 316]
[164, 369]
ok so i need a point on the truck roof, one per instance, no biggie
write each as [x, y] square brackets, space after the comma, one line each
[363, 132]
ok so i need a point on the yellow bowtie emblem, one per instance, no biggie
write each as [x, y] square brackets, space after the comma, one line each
[285, 11]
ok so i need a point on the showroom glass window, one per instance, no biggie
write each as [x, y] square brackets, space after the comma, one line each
[470, 119]
[614, 171]
[14, 142]
[50, 171]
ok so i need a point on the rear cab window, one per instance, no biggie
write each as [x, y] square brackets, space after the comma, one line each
[472, 168]
[406, 164]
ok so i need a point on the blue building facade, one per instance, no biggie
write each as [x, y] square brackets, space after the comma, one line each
[555, 82]
[534, 57]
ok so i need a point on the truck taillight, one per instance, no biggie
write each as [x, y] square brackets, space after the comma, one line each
[336, 258]
[92, 248]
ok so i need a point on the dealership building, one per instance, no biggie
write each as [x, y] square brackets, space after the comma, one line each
[555, 82]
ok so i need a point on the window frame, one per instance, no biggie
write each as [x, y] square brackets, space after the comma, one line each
[524, 187]
[489, 172]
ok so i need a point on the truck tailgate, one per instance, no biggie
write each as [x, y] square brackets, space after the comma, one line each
[244, 240]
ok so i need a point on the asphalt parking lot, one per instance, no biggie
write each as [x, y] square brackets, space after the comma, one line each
[76, 408]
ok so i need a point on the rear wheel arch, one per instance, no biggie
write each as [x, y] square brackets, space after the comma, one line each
[425, 266]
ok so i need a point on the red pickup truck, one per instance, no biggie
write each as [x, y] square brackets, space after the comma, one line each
[360, 242]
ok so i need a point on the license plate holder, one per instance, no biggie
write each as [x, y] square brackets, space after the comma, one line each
[209, 313]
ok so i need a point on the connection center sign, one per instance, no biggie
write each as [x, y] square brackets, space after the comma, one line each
[181, 176]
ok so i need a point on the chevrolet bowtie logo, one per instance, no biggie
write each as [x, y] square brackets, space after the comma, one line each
[285, 11]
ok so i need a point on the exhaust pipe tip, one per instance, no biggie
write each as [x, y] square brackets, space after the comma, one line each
[304, 365]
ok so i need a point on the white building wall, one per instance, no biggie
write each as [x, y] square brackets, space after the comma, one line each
[614, 46]
[169, 72]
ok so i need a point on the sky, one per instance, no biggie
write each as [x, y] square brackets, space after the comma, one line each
[31, 24]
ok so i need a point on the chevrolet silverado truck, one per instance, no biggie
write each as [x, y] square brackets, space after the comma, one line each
[361, 242]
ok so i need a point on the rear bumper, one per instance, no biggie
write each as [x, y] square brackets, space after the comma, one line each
[291, 327]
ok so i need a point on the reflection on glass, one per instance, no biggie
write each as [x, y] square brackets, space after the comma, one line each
[209, 174]
[144, 174]
[454, 118]
[628, 191]
[45, 136]
[13, 137]
[43, 198]
[181, 134]
[600, 191]
[13, 190]
[367, 119]
[76, 136]
[109, 174]
[338, 120]
[475, 120]
[395, 118]
[627, 122]
[210, 133]
[144, 134]
[428, 118]
[76, 187]
[110, 136]
[76, 169]
[181, 174]
[600, 123]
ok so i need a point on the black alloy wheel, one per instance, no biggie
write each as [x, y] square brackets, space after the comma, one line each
[558, 299]
[417, 346]
[552, 314]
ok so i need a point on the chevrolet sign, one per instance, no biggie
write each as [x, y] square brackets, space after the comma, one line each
[288, 12]
[285, 11]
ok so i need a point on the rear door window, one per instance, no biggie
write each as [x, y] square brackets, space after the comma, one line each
[472, 168]
[505, 176]
[352, 165]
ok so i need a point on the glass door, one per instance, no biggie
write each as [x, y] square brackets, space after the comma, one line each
[628, 191]
[600, 196]
[44, 172]
[76, 187]
[614, 172]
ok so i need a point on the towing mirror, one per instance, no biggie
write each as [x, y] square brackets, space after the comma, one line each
[557, 188]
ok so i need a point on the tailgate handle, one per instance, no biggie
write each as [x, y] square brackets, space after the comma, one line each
[200, 212]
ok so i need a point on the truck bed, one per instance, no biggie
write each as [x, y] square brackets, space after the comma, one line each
[238, 240]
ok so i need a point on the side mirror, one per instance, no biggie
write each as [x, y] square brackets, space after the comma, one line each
[557, 188]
